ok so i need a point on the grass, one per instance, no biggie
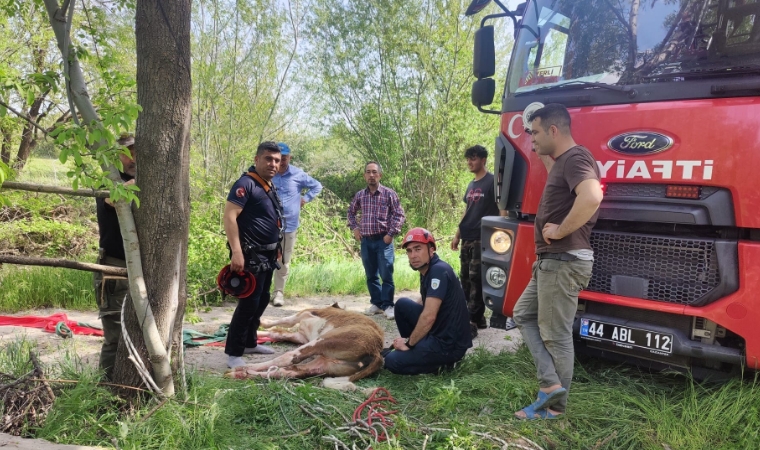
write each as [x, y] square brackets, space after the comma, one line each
[610, 407]
[346, 277]
[23, 288]
[45, 171]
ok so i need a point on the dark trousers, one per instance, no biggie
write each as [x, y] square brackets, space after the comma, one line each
[377, 258]
[247, 316]
[469, 274]
[427, 356]
[110, 292]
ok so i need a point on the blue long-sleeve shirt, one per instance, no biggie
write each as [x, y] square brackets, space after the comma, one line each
[290, 187]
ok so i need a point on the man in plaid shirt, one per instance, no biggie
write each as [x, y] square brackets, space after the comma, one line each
[380, 221]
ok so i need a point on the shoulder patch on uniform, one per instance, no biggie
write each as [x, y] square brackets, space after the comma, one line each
[434, 283]
[240, 192]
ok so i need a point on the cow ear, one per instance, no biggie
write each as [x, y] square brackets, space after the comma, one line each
[336, 305]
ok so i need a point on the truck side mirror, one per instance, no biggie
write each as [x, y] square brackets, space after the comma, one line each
[520, 9]
[483, 91]
[484, 54]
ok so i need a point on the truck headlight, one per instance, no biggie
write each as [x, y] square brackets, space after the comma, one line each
[501, 242]
[496, 277]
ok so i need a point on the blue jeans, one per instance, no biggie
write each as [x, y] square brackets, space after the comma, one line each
[427, 356]
[377, 257]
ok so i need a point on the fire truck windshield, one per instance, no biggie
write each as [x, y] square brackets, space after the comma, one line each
[626, 42]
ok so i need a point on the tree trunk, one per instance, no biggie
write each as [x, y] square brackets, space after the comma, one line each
[5, 150]
[163, 152]
[154, 342]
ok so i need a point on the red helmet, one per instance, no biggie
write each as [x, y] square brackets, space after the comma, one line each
[236, 284]
[420, 235]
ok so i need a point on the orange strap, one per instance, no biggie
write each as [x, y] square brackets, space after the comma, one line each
[267, 189]
[265, 184]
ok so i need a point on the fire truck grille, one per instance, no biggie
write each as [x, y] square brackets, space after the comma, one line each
[673, 270]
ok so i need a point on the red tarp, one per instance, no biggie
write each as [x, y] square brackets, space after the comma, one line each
[49, 323]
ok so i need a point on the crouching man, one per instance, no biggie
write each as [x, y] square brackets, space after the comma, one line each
[436, 333]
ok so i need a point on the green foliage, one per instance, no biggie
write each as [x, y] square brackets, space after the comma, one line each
[5, 172]
[397, 75]
[46, 237]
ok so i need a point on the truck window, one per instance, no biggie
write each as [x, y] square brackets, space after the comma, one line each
[632, 41]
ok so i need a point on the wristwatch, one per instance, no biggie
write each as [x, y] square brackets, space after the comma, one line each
[406, 342]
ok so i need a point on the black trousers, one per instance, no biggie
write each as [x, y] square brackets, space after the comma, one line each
[247, 316]
[427, 356]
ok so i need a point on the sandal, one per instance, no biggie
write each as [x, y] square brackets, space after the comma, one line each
[530, 413]
[545, 400]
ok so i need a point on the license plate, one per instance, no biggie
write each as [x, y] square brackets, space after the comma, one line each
[627, 337]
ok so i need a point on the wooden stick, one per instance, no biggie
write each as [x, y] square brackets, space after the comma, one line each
[60, 262]
[49, 189]
[38, 368]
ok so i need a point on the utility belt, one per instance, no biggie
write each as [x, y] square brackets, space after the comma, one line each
[558, 256]
[253, 261]
[104, 259]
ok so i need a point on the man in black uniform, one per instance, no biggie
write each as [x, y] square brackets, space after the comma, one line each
[253, 223]
[481, 202]
[436, 333]
[110, 290]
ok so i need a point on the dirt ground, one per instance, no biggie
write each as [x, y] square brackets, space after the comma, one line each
[209, 359]
[212, 359]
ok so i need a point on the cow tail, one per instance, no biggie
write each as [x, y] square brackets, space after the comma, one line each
[374, 365]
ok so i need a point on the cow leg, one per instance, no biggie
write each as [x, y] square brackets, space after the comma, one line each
[318, 366]
[286, 359]
[287, 322]
[285, 336]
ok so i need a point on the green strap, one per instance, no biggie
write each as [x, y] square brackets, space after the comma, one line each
[62, 330]
[192, 338]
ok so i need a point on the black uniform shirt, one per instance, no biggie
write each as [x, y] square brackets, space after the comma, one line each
[108, 226]
[257, 223]
[452, 325]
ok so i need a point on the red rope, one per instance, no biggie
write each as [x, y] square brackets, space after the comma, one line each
[376, 413]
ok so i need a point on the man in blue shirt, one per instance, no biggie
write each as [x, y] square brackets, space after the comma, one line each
[295, 188]
[436, 333]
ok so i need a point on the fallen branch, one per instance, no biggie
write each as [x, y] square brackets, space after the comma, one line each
[60, 262]
[49, 189]
[25, 400]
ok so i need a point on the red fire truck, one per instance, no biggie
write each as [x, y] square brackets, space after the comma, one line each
[666, 95]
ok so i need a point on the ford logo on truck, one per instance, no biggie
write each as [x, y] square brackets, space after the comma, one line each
[640, 143]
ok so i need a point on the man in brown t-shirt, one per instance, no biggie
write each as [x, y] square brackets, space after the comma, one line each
[545, 311]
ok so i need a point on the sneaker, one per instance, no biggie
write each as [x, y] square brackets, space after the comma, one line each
[235, 361]
[372, 310]
[389, 313]
[259, 349]
[278, 299]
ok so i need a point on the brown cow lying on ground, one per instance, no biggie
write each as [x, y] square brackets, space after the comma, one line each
[336, 343]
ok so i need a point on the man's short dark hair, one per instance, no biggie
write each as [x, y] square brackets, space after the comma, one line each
[476, 151]
[268, 146]
[379, 167]
[553, 114]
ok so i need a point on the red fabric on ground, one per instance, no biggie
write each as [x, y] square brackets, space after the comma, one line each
[49, 323]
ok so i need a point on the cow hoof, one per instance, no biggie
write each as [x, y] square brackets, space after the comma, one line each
[339, 383]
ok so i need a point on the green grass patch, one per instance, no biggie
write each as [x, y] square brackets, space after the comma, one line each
[26, 287]
[610, 407]
[45, 171]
